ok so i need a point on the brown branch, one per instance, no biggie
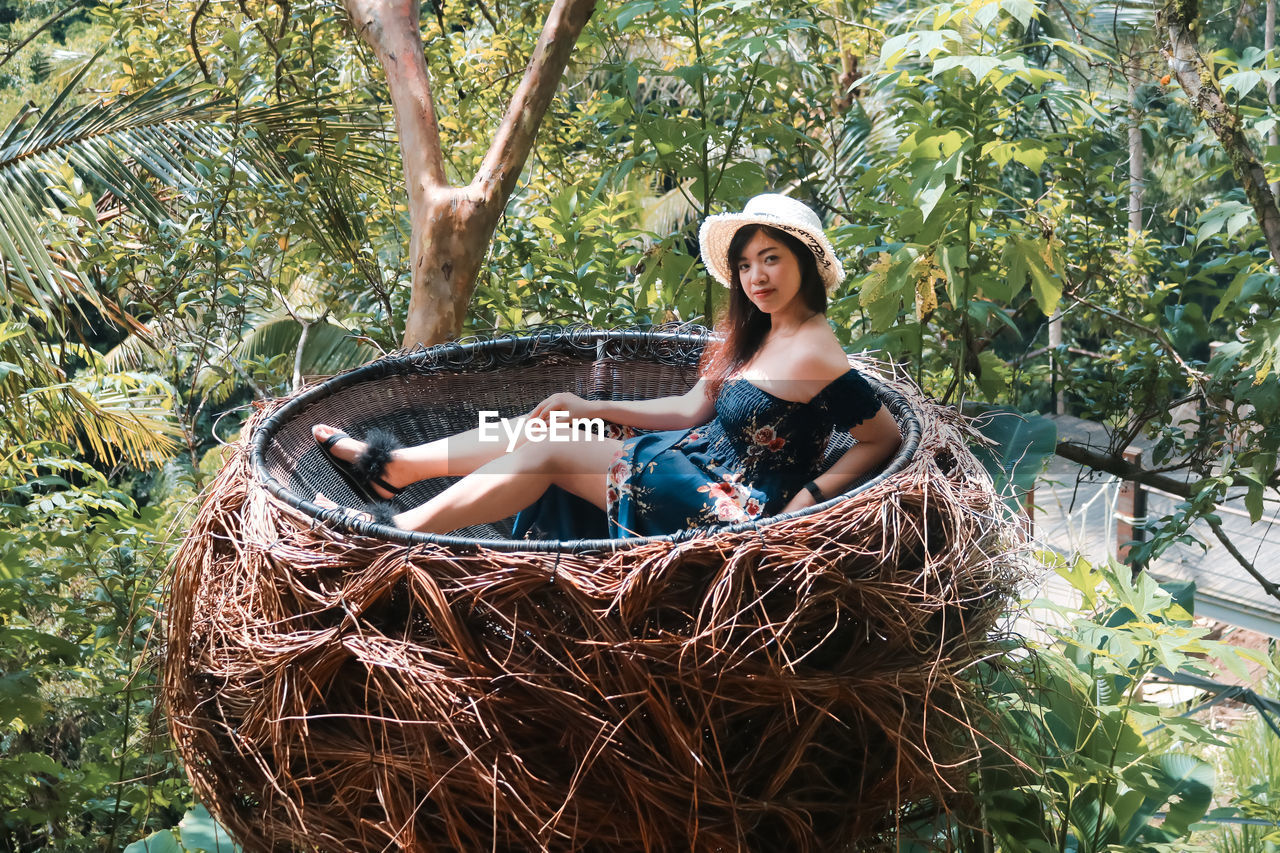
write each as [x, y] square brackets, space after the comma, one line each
[484, 10]
[11, 52]
[195, 44]
[1129, 471]
[511, 144]
[393, 30]
[1111, 464]
[1176, 21]
[1036, 353]
[1270, 588]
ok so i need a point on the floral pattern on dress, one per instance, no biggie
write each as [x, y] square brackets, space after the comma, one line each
[617, 479]
[731, 500]
[691, 437]
[768, 438]
[620, 433]
[743, 465]
[762, 440]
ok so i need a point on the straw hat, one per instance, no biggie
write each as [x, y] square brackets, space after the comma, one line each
[776, 211]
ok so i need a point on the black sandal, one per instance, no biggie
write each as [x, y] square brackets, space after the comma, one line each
[382, 512]
[366, 470]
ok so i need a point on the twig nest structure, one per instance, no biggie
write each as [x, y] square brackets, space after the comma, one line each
[792, 685]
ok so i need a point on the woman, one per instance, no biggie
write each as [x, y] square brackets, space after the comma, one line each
[745, 442]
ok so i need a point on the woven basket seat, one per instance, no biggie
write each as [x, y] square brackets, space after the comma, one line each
[789, 684]
[439, 392]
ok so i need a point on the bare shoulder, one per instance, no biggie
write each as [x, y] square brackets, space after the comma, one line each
[809, 363]
[817, 355]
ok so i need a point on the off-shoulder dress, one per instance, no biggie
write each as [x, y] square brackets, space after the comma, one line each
[746, 463]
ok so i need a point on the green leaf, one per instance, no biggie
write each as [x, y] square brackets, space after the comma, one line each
[1033, 257]
[978, 66]
[19, 699]
[1181, 783]
[630, 11]
[200, 831]
[1228, 216]
[1030, 153]
[931, 193]
[885, 287]
[1253, 500]
[157, 842]
[1021, 11]
[993, 376]
[1046, 289]
[1233, 291]
[1264, 347]
[1021, 445]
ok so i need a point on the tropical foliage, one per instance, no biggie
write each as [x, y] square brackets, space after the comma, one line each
[202, 205]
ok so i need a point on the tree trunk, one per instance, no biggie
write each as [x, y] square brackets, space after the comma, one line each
[1137, 153]
[1058, 379]
[1269, 42]
[1176, 22]
[452, 226]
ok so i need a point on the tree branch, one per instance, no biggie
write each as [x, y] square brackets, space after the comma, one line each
[1087, 456]
[511, 144]
[1161, 338]
[392, 28]
[1176, 22]
[11, 52]
[1084, 455]
[1270, 588]
[195, 42]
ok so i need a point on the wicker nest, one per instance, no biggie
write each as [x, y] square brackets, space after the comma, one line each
[788, 685]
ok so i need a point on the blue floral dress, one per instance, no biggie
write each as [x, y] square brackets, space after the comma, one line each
[756, 453]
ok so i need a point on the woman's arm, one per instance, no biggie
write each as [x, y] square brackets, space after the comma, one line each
[691, 409]
[878, 439]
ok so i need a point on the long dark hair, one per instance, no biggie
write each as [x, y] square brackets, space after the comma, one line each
[742, 327]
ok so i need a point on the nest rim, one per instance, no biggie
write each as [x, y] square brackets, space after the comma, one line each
[506, 350]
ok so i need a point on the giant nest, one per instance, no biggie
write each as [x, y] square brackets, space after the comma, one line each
[796, 684]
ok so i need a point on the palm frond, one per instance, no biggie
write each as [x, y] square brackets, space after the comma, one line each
[113, 416]
[119, 146]
[135, 352]
[329, 348]
[338, 175]
[669, 212]
[124, 146]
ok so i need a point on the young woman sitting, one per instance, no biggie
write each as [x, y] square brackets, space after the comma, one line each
[746, 441]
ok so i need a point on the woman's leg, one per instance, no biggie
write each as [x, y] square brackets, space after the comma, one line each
[513, 481]
[451, 456]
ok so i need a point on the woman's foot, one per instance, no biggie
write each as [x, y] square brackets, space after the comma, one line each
[379, 513]
[371, 467]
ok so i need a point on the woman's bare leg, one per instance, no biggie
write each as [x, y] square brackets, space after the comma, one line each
[513, 481]
[451, 456]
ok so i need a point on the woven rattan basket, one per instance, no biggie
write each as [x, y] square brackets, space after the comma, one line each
[791, 684]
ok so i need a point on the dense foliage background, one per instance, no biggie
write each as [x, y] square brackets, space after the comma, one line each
[202, 206]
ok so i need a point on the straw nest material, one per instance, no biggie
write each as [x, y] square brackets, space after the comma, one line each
[793, 686]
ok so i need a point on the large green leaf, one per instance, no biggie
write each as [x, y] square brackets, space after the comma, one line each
[157, 842]
[119, 145]
[200, 831]
[1019, 446]
[329, 348]
[1179, 781]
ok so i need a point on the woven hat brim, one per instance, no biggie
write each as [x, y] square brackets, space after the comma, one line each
[717, 232]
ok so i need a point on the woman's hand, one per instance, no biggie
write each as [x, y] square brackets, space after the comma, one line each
[575, 406]
[799, 501]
